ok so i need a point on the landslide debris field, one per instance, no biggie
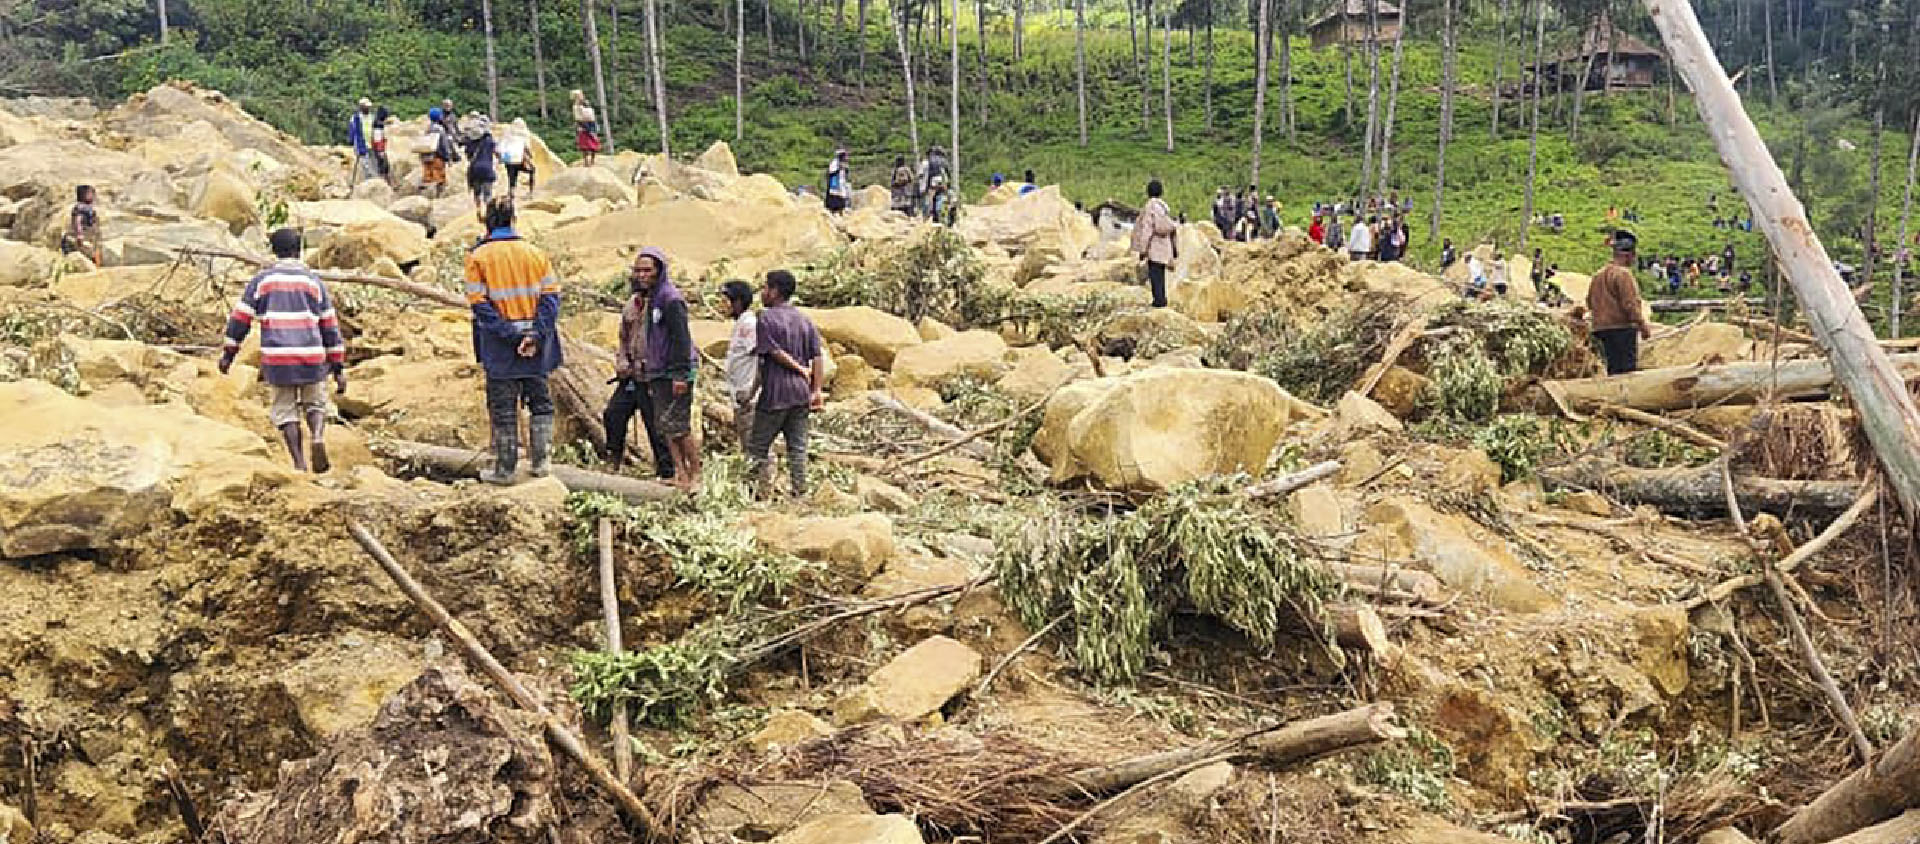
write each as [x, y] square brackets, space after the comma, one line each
[1320, 554]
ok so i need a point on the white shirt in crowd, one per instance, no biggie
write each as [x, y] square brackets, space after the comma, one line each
[1361, 240]
[743, 366]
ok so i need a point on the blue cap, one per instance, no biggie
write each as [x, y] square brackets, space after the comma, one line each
[435, 114]
[998, 178]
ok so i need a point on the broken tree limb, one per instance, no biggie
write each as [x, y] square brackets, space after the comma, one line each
[610, 613]
[1391, 583]
[1904, 829]
[1666, 306]
[1288, 483]
[461, 461]
[1871, 794]
[1787, 564]
[1873, 383]
[973, 435]
[1818, 667]
[1683, 387]
[1696, 491]
[1671, 426]
[478, 654]
[1294, 744]
[1359, 627]
[432, 294]
[933, 424]
[1395, 348]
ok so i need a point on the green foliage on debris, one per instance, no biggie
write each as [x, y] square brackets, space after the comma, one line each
[1517, 442]
[1117, 579]
[1521, 338]
[1417, 769]
[1463, 383]
[1660, 450]
[664, 685]
[935, 274]
[706, 549]
[1316, 359]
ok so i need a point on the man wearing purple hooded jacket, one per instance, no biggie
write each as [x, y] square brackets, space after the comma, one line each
[668, 363]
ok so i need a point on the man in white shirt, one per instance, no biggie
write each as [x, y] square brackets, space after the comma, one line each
[743, 365]
[1360, 241]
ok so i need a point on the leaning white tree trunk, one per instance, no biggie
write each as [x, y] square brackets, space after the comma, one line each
[897, 12]
[493, 70]
[1876, 388]
[1080, 63]
[1260, 87]
[659, 78]
[740, 68]
[587, 16]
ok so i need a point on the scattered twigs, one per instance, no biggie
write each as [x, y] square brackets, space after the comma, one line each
[610, 611]
[970, 436]
[1871, 794]
[477, 653]
[1787, 564]
[1395, 348]
[432, 294]
[860, 609]
[1671, 426]
[183, 802]
[987, 681]
[931, 423]
[1804, 643]
[1288, 483]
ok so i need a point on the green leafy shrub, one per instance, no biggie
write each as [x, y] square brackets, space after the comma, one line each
[1463, 383]
[664, 685]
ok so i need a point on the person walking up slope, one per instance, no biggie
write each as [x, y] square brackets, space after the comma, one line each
[360, 130]
[1153, 241]
[515, 298]
[300, 346]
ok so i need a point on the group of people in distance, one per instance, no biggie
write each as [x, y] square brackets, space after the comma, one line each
[1244, 216]
[775, 371]
[448, 138]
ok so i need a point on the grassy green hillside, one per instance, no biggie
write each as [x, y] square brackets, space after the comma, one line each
[1644, 150]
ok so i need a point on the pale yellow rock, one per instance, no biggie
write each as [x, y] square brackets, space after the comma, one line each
[335, 213]
[1356, 415]
[696, 235]
[1706, 342]
[718, 159]
[855, 829]
[1469, 471]
[438, 400]
[876, 494]
[1129, 331]
[25, 265]
[1400, 390]
[932, 329]
[341, 687]
[588, 183]
[1039, 221]
[787, 728]
[1463, 555]
[226, 197]
[875, 335]
[1588, 502]
[969, 354]
[853, 546]
[912, 574]
[14, 828]
[852, 376]
[359, 245]
[1194, 789]
[914, 684]
[1317, 511]
[759, 811]
[918, 398]
[1036, 372]
[1660, 647]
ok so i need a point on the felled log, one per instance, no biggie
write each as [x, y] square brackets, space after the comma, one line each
[1293, 744]
[1698, 492]
[1667, 306]
[933, 424]
[432, 294]
[461, 461]
[1288, 483]
[1359, 627]
[1904, 829]
[1871, 794]
[1682, 387]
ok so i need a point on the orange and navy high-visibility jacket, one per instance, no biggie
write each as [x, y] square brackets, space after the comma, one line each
[514, 294]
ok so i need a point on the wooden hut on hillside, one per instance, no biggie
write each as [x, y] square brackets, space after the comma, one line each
[1347, 21]
[1611, 59]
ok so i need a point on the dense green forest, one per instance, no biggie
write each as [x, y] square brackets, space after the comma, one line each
[1834, 101]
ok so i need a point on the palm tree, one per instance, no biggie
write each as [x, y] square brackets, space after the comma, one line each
[659, 82]
[539, 58]
[599, 76]
[1259, 87]
[1449, 51]
[1080, 62]
[493, 72]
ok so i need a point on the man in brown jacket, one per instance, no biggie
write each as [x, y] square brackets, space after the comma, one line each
[1613, 306]
[1153, 241]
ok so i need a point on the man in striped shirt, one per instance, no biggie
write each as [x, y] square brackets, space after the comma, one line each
[515, 297]
[299, 345]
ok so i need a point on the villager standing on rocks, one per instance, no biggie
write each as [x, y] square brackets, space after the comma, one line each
[436, 151]
[586, 128]
[743, 365]
[1613, 306]
[481, 152]
[1153, 241]
[792, 373]
[904, 196]
[669, 366]
[1448, 255]
[630, 394]
[839, 185]
[300, 346]
[83, 226]
[381, 117]
[360, 129]
[1317, 230]
[515, 297]
[515, 153]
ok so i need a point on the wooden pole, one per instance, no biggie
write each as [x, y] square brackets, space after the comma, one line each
[1879, 394]
[477, 654]
[460, 460]
[1871, 794]
[610, 610]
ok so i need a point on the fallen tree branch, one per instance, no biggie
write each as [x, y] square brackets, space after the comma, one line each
[1390, 583]
[432, 294]
[1288, 483]
[1787, 564]
[1696, 491]
[462, 461]
[1682, 387]
[610, 614]
[1077, 822]
[929, 422]
[1391, 355]
[1818, 667]
[1871, 794]
[860, 609]
[1667, 306]
[1672, 426]
[478, 654]
[971, 435]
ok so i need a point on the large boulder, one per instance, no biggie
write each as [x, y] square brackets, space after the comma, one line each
[359, 245]
[335, 213]
[1042, 221]
[167, 110]
[588, 183]
[852, 546]
[914, 684]
[23, 265]
[873, 334]
[221, 195]
[1036, 372]
[697, 235]
[718, 159]
[1706, 342]
[1161, 427]
[76, 475]
[133, 245]
[968, 354]
[855, 829]
[1462, 554]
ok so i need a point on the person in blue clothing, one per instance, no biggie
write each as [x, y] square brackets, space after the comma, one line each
[514, 294]
[360, 132]
[1028, 184]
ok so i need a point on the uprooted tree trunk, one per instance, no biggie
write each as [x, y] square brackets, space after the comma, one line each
[1681, 387]
[1876, 387]
[1904, 829]
[461, 461]
[1699, 491]
[1870, 795]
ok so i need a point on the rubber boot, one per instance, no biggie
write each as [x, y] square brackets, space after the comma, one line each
[290, 433]
[506, 457]
[317, 450]
[540, 445]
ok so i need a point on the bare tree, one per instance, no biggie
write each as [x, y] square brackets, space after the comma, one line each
[1140, 63]
[1533, 121]
[599, 76]
[861, 36]
[740, 67]
[766, 16]
[163, 21]
[1901, 253]
[1259, 86]
[1080, 63]
[1346, 61]
[953, 103]
[1393, 101]
[1287, 116]
[493, 71]
[1019, 30]
[539, 57]
[1499, 64]
[897, 11]
[659, 80]
[980, 28]
[1166, 70]
[1448, 54]
[1773, 86]
[1207, 108]
[1373, 93]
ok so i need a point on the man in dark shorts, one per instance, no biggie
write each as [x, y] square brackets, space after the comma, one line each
[792, 373]
[670, 362]
[83, 226]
